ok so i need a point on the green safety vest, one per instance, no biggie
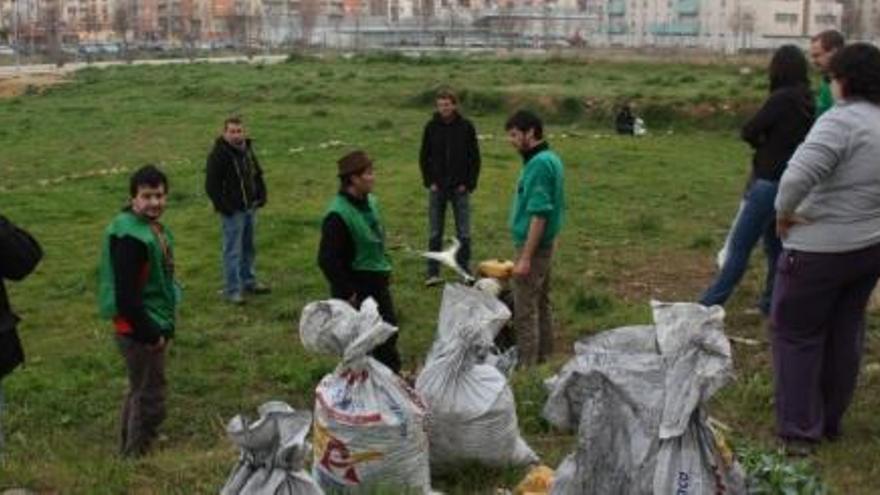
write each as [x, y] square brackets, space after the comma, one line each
[160, 294]
[365, 227]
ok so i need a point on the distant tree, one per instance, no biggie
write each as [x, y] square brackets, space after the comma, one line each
[309, 11]
[236, 28]
[91, 22]
[742, 25]
[50, 20]
[121, 25]
[851, 22]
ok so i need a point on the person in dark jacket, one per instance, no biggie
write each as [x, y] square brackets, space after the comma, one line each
[450, 164]
[137, 291]
[19, 255]
[352, 250]
[234, 182]
[774, 132]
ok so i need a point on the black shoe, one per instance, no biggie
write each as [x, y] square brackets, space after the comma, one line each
[797, 448]
[258, 289]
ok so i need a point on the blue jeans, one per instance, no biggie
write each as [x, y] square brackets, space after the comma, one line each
[238, 251]
[437, 201]
[757, 219]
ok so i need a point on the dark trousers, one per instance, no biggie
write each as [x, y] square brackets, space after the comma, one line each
[818, 325]
[437, 201]
[143, 409]
[376, 285]
[532, 316]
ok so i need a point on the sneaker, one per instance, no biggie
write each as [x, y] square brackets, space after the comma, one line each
[236, 299]
[797, 448]
[433, 281]
[258, 289]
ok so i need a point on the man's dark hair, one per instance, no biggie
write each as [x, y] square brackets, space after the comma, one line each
[857, 68]
[149, 176]
[830, 39]
[235, 119]
[788, 67]
[446, 94]
[523, 120]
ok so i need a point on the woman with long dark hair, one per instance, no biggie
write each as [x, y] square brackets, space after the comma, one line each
[829, 220]
[774, 132]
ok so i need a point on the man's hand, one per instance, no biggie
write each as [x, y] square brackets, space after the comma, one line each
[522, 267]
[159, 346]
[462, 189]
[785, 221]
[434, 188]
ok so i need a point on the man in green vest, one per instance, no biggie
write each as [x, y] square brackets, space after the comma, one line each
[352, 250]
[138, 293]
[823, 46]
[536, 218]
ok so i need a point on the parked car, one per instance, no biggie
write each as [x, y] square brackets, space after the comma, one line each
[6, 50]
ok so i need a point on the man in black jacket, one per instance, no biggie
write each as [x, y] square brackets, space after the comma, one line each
[352, 250]
[19, 255]
[234, 182]
[450, 163]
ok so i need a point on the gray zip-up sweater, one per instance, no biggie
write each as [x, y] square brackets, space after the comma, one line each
[833, 182]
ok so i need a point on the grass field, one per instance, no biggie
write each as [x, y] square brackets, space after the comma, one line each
[645, 218]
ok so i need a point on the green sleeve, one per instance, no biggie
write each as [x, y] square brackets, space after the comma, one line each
[824, 99]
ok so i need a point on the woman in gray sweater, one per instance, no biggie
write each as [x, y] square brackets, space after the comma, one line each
[828, 217]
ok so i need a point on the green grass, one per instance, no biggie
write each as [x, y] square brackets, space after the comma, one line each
[645, 217]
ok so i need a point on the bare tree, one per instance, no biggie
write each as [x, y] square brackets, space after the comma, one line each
[91, 23]
[121, 25]
[742, 24]
[851, 22]
[50, 18]
[236, 27]
[356, 13]
[309, 11]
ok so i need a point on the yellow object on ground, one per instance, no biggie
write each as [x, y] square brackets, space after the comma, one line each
[500, 269]
[537, 482]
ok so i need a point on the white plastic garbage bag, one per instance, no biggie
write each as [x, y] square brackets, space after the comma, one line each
[635, 397]
[273, 453]
[369, 428]
[473, 412]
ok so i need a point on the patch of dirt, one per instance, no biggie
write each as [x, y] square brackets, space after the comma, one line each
[665, 275]
[19, 84]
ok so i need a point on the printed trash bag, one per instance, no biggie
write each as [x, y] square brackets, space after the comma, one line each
[369, 428]
[635, 396]
[473, 412]
[273, 453]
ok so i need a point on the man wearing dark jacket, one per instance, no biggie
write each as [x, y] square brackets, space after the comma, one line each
[352, 250]
[19, 255]
[137, 291]
[234, 182]
[450, 163]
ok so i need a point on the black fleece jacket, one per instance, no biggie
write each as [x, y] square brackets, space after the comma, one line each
[234, 179]
[450, 153]
[778, 128]
[19, 255]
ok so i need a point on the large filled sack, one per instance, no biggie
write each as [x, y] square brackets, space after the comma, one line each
[273, 453]
[369, 428]
[473, 412]
[636, 397]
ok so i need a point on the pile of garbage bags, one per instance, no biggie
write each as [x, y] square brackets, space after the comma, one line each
[369, 428]
[273, 453]
[463, 382]
[635, 397]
